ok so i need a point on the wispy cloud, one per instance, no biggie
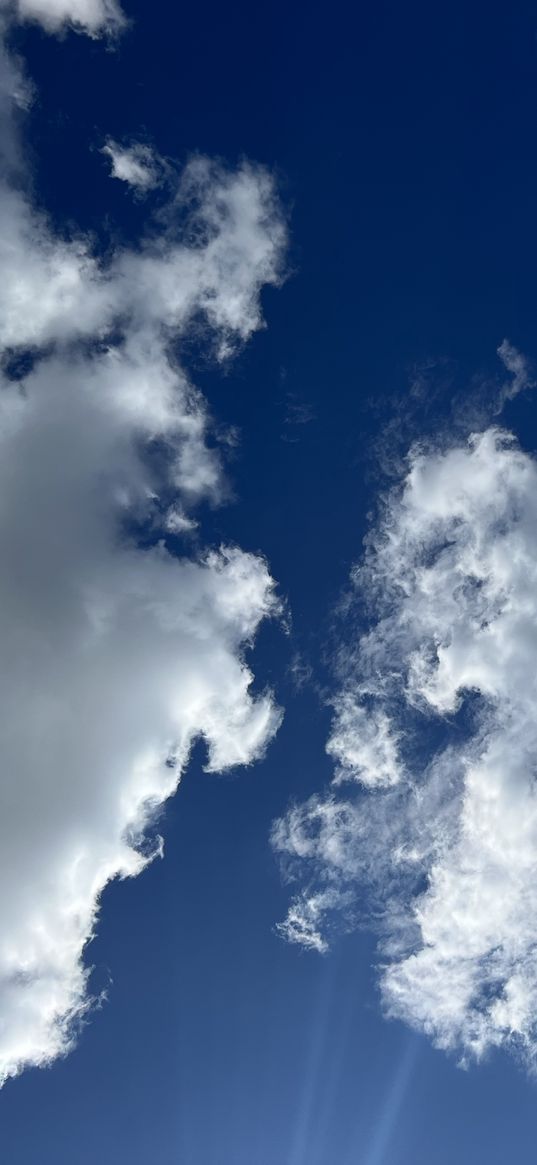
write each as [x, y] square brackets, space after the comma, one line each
[521, 376]
[137, 164]
[298, 412]
[429, 830]
[116, 655]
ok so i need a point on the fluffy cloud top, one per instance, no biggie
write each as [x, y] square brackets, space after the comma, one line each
[435, 730]
[94, 17]
[116, 652]
[55, 290]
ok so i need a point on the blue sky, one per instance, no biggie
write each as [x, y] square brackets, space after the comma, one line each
[402, 147]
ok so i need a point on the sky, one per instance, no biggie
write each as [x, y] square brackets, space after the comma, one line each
[267, 478]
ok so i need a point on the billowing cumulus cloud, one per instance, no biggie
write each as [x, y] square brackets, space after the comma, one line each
[429, 830]
[117, 652]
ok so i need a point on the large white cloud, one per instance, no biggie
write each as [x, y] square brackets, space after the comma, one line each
[435, 730]
[116, 653]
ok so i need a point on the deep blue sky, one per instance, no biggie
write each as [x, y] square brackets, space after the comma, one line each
[405, 139]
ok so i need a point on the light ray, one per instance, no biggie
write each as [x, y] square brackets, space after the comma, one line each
[391, 1109]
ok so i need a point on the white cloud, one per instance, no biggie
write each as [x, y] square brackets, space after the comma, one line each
[94, 17]
[115, 657]
[305, 917]
[136, 165]
[54, 289]
[518, 366]
[442, 846]
[364, 743]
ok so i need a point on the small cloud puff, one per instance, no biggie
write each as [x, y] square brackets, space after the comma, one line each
[137, 165]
